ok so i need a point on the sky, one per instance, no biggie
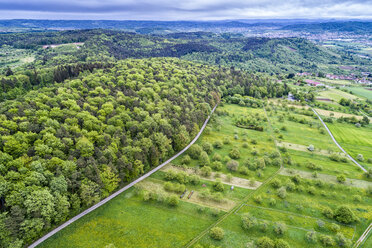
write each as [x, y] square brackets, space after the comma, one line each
[184, 9]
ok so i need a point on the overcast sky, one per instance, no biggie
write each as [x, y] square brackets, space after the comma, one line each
[183, 9]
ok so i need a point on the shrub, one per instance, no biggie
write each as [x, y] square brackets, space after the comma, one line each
[327, 212]
[195, 151]
[194, 179]
[280, 228]
[326, 240]
[217, 165]
[282, 192]
[216, 157]
[172, 200]
[228, 177]
[280, 243]
[243, 170]
[218, 186]
[236, 137]
[206, 171]
[275, 183]
[334, 228]
[344, 215]
[170, 175]
[186, 159]
[272, 202]
[218, 144]
[368, 174]
[290, 186]
[258, 199]
[234, 153]
[207, 147]
[341, 178]
[204, 159]
[311, 190]
[254, 142]
[226, 140]
[232, 165]
[342, 241]
[311, 237]
[248, 221]
[335, 157]
[245, 145]
[296, 179]
[265, 242]
[216, 233]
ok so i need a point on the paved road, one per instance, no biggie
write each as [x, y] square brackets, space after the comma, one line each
[72, 220]
[364, 236]
[334, 140]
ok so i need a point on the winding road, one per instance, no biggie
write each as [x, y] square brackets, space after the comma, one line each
[334, 140]
[87, 211]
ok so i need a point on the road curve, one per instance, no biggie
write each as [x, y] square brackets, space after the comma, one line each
[87, 211]
[334, 140]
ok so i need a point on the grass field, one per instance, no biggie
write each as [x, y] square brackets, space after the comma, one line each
[336, 95]
[361, 92]
[127, 221]
[354, 140]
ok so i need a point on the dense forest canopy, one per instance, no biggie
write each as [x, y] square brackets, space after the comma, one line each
[66, 146]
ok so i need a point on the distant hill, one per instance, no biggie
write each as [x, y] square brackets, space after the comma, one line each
[352, 27]
[273, 55]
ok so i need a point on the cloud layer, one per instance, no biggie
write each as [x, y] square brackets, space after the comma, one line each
[183, 10]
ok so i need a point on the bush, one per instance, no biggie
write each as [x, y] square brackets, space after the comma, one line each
[245, 145]
[195, 151]
[326, 240]
[368, 174]
[206, 171]
[327, 212]
[275, 183]
[173, 200]
[217, 165]
[218, 144]
[204, 159]
[342, 241]
[234, 153]
[232, 165]
[186, 159]
[243, 170]
[282, 192]
[258, 199]
[296, 179]
[311, 237]
[194, 179]
[216, 233]
[218, 186]
[248, 221]
[226, 140]
[280, 228]
[265, 242]
[341, 178]
[216, 157]
[280, 243]
[334, 228]
[207, 147]
[344, 215]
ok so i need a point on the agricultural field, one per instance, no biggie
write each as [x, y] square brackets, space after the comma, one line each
[12, 57]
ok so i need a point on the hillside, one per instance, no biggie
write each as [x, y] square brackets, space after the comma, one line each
[273, 55]
[350, 27]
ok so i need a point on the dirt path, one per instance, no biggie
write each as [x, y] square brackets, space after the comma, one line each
[87, 211]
